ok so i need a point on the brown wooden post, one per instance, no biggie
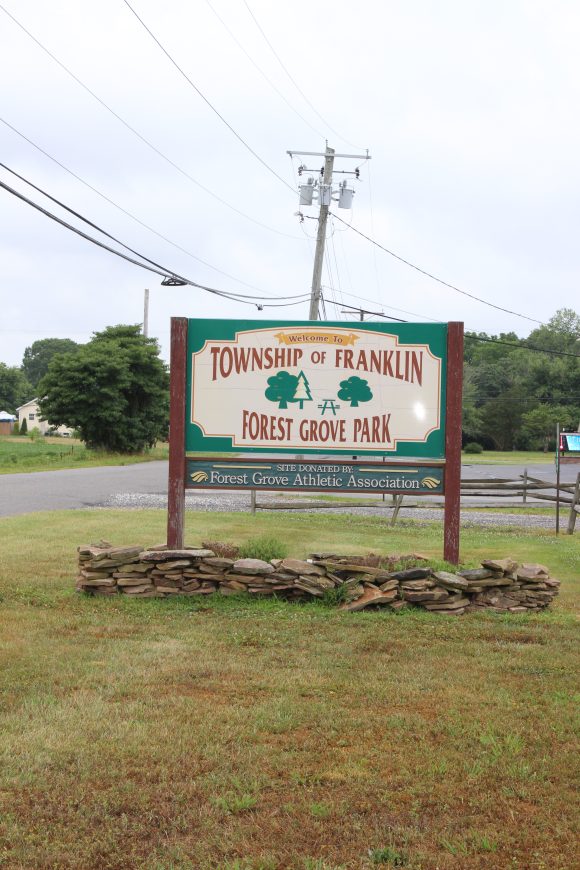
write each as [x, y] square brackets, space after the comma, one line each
[453, 442]
[557, 478]
[574, 507]
[176, 483]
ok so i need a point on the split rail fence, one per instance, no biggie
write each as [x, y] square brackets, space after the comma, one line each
[524, 486]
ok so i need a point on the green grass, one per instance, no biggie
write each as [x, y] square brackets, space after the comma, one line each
[241, 733]
[295, 498]
[23, 454]
[526, 510]
[508, 457]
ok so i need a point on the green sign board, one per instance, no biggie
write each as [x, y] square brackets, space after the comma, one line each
[313, 476]
[327, 388]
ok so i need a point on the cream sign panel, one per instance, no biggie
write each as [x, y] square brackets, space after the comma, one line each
[321, 387]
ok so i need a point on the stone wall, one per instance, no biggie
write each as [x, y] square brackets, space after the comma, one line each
[358, 582]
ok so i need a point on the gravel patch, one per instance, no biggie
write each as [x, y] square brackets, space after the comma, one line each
[240, 502]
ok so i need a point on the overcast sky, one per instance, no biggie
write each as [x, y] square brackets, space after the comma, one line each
[469, 111]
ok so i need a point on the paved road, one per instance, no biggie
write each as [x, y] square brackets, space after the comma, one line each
[75, 488]
[145, 486]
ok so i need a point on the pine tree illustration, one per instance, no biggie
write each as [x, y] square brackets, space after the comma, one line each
[302, 393]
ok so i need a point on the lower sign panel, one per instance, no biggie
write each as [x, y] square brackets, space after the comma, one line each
[314, 476]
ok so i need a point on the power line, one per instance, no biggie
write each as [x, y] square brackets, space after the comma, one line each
[128, 213]
[330, 276]
[80, 217]
[533, 347]
[339, 285]
[392, 308]
[373, 313]
[261, 71]
[162, 271]
[373, 232]
[434, 277]
[477, 394]
[474, 337]
[205, 99]
[298, 88]
[99, 229]
[80, 232]
[143, 138]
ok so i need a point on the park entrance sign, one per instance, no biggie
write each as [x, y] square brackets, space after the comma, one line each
[368, 389]
[350, 391]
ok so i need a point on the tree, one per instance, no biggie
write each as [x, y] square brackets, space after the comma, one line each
[38, 356]
[302, 393]
[282, 389]
[566, 322]
[540, 423]
[505, 383]
[14, 388]
[113, 390]
[472, 422]
[355, 390]
[23, 427]
[561, 332]
[503, 417]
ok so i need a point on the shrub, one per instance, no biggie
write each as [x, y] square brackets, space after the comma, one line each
[264, 548]
[24, 427]
[334, 597]
[473, 447]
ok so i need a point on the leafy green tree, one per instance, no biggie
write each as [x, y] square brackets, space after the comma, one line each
[472, 423]
[113, 390]
[540, 423]
[503, 417]
[282, 389]
[505, 384]
[561, 332]
[14, 388]
[355, 390]
[481, 347]
[38, 356]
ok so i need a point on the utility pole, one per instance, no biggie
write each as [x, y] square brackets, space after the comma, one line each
[324, 191]
[361, 313]
[146, 314]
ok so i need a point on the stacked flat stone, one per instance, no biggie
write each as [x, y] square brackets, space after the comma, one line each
[501, 585]
[160, 572]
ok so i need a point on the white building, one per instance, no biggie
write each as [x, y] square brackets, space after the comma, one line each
[31, 413]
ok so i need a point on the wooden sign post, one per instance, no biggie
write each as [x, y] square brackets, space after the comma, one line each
[177, 393]
[454, 395]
